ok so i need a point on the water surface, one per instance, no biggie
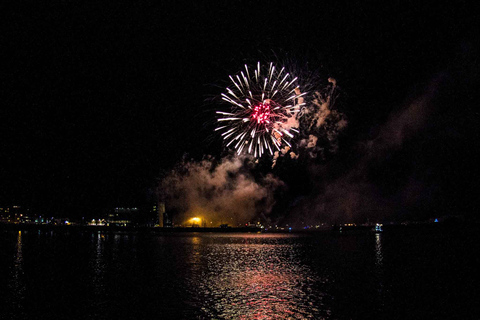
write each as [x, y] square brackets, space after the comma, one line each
[404, 274]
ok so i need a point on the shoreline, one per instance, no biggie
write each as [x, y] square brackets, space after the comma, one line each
[164, 230]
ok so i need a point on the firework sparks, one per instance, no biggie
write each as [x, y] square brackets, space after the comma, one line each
[263, 108]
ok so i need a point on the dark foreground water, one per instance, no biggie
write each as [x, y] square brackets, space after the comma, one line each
[402, 274]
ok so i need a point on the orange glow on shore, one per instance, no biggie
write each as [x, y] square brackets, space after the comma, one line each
[195, 221]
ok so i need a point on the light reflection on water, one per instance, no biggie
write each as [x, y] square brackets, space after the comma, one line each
[379, 270]
[251, 278]
[378, 250]
[17, 283]
[98, 277]
[235, 276]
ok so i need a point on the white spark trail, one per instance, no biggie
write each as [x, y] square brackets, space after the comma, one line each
[262, 110]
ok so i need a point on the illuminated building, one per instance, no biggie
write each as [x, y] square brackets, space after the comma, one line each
[121, 216]
[14, 214]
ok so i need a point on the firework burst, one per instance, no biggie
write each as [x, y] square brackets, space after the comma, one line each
[264, 103]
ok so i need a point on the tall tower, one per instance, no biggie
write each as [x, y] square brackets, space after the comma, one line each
[161, 213]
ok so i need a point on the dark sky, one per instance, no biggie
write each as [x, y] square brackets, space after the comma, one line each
[99, 99]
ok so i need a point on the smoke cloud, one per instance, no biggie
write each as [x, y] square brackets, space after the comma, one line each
[320, 124]
[372, 188]
[219, 192]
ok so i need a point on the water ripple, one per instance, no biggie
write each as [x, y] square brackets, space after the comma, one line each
[255, 278]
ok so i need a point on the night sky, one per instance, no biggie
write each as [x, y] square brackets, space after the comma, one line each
[99, 101]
